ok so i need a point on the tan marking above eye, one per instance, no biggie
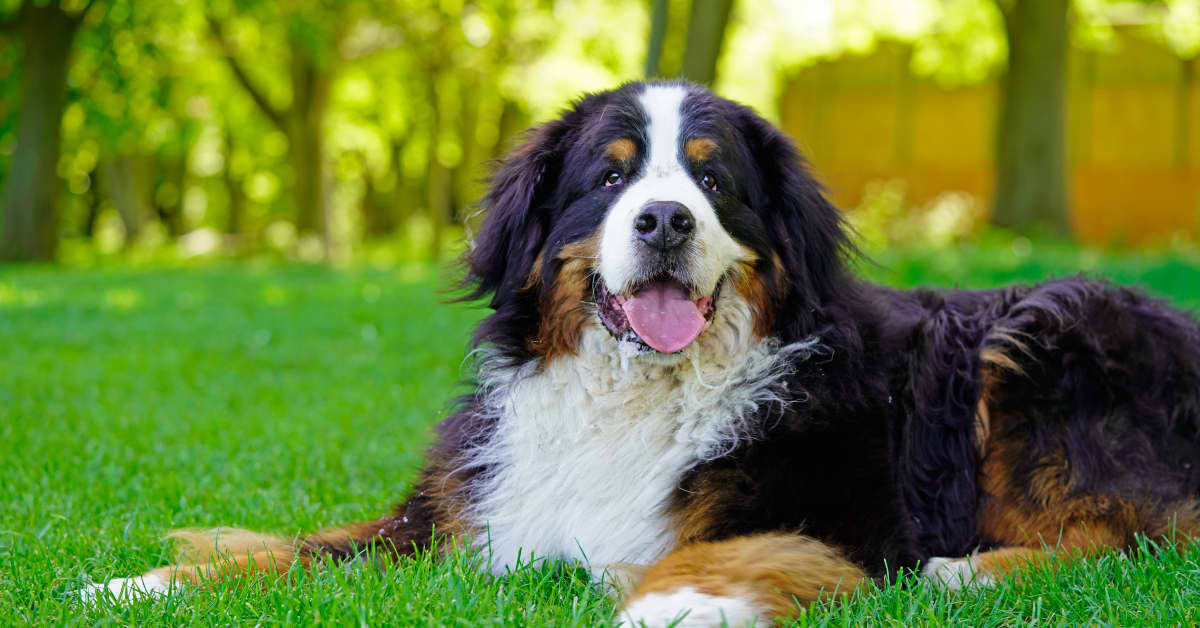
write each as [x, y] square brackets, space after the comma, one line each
[699, 148]
[622, 149]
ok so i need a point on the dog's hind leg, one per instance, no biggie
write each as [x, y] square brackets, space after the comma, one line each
[1051, 487]
[1088, 431]
[1179, 521]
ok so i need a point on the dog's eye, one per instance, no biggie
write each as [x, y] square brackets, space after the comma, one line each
[612, 178]
[709, 181]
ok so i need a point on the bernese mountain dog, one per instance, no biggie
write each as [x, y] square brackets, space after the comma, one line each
[683, 388]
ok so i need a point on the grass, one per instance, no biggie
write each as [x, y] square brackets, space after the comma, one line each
[288, 398]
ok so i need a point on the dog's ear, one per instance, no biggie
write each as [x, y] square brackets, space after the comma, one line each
[809, 233]
[514, 230]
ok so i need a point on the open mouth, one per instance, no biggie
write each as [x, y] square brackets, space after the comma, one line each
[659, 315]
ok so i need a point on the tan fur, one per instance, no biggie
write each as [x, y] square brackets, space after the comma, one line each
[1005, 561]
[445, 487]
[996, 363]
[699, 148]
[999, 343]
[748, 282]
[1042, 509]
[983, 427]
[1182, 523]
[535, 273]
[983, 415]
[995, 357]
[1046, 511]
[563, 311]
[709, 496]
[1042, 515]
[774, 570]
[221, 553]
[354, 533]
[621, 150]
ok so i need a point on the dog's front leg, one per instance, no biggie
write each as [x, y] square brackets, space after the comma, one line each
[219, 554]
[749, 580]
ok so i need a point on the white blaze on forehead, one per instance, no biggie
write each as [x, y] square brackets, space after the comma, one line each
[664, 108]
[664, 178]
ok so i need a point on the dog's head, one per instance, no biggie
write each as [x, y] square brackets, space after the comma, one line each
[643, 210]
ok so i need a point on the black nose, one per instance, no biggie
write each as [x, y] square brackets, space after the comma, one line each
[664, 225]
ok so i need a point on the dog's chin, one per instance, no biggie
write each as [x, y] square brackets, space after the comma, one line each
[657, 320]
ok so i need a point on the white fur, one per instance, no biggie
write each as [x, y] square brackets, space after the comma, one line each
[588, 452]
[127, 589]
[665, 179]
[956, 573]
[688, 608]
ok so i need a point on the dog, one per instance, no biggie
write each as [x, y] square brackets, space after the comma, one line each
[682, 385]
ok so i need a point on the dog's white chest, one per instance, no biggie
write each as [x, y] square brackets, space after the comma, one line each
[588, 454]
[583, 486]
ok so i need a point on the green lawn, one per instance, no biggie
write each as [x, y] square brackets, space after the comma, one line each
[288, 398]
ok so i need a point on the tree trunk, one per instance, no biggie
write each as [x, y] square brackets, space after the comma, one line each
[29, 221]
[1031, 178]
[94, 199]
[234, 190]
[379, 219]
[706, 33]
[512, 121]
[307, 186]
[438, 191]
[403, 196]
[438, 177]
[467, 175]
[1183, 109]
[659, 16]
[170, 207]
[125, 179]
[307, 116]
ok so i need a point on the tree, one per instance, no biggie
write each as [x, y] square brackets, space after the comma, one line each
[701, 42]
[659, 18]
[706, 32]
[1031, 185]
[29, 220]
[373, 116]
[125, 79]
[313, 44]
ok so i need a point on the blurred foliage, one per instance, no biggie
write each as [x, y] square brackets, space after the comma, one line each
[186, 118]
[311, 127]
[886, 218]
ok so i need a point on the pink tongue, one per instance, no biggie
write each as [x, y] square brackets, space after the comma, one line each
[664, 317]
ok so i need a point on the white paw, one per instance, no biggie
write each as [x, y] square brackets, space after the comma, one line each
[126, 589]
[688, 608]
[956, 573]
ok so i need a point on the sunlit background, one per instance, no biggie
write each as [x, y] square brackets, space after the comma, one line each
[343, 131]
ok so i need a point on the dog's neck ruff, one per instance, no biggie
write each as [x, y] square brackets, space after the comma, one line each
[588, 451]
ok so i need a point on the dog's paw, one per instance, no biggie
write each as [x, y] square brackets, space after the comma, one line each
[126, 589]
[956, 573]
[688, 608]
